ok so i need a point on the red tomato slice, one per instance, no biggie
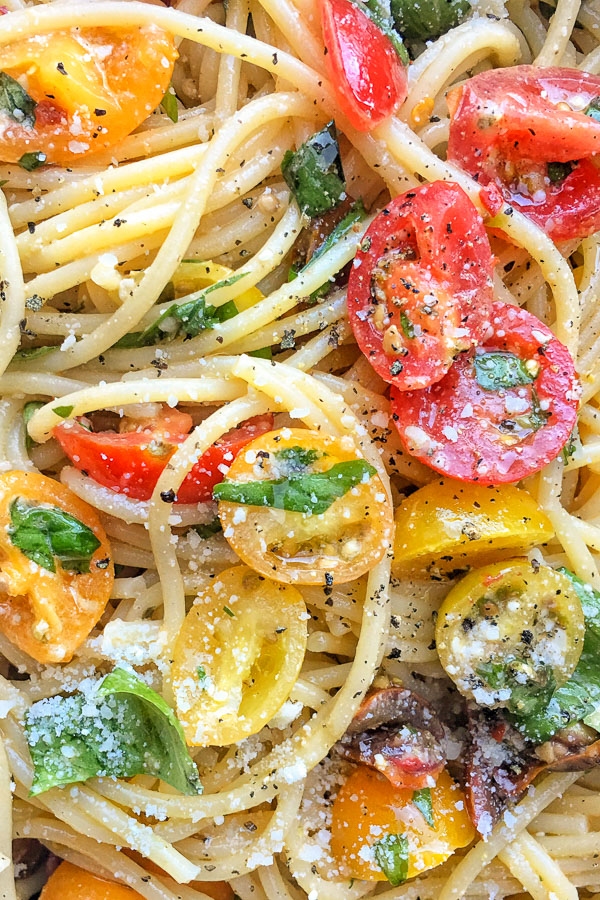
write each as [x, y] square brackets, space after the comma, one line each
[495, 434]
[366, 73]
[420, 289]
[131, 463]
[508, 124]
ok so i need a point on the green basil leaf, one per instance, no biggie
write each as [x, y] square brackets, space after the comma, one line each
[314, 173]
[422, 20]
[407, 326]
[121, 728]
[391, 853]
[263, 353]
[33, 352]
[185, 319]
[15, 102]
[570, 447]
[63, 411]
[33, 160]
[28, 410]
[531, 688]
[375, 10]
[499, 370]
[46, 533]
[558, 171]
[209, 529]
[579, 697]
[593, 109]
[297, 459]
[169, 104]
[203, 678]
[311, 494]
[422, 800]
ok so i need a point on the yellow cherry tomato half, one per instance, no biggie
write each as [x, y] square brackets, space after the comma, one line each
[237, 656]
[509, 633]
[337, 545]
[449, 525]
[46, 613]
[69, 882]
[83, 90]
[368, 809]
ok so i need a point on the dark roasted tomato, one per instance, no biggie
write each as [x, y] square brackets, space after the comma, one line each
[503, 410]
[420, 289]
[534, 133]
[131, 463]
[366, 73]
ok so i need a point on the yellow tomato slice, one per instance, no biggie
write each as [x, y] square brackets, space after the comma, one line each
[368, 808]
[509, 631]
[447, 525]
[69, 882]
[335, 546]
[49, 614]
[86, 97]
[237, 656]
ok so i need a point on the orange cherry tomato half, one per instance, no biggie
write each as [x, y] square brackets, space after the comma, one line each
[368, 808]
[366, 73]
[132, 462]
[85, 89]
[420, 289]
[532, 133]
[69, 882]
[48, 614]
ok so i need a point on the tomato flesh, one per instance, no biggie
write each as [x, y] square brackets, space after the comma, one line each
[132, 463]
[81, 81]
[507, 125]
[71, 881]
[366, 73]
[420, 289]
[472, 433]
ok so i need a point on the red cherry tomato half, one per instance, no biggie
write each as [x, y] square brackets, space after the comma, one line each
[366, 73]
[420, 289]
[131, 463]
[525, 129]
[502, 412]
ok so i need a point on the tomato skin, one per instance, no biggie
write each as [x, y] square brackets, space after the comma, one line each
[69, 881]
[440, 234]
[508, 118]
[366, 73]
[127, 464]
[368, 807]
[81, 82]
[475, 448]
[69, 603]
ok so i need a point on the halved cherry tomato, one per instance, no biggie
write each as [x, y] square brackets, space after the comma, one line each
[49, 613]
[510, 633]
[420, 289]
[337, 545]
[69, 882]
[366, 73]
[446, 526]
[368, 809]
[502, 412]
[237, 656]
[526, 130]
[82, 96]
[131, 463]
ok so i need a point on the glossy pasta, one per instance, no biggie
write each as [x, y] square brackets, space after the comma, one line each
[209, 186]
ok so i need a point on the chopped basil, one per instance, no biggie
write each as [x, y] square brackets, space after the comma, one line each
[203, 678]
[169, 104]
[185, 319]
[570, 447]
[120, 728]
[46, 533]
[33, 352]
[28, 410]
[421, 20]
[297, 459]
[209, 529]
[558, 171]
[391, 853]
[314, 173]
[15, 102]
[263, 353]
[422, 800]
[498, 370]
[407, 326]
[579, 698]
[63, 411]
[310, 494]
[229, 612]
[593, 109]
[376, 11]
[33, 160]
[530, 687]
[538, 417]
